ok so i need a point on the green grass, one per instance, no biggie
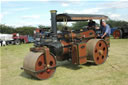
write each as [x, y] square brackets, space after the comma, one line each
[113, 72]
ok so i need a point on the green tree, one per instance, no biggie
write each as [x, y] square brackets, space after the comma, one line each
[41, 26]
[6, 29]
[46, 28]
[25, 30]
[60, 26]
[79, 25]
[115, 23]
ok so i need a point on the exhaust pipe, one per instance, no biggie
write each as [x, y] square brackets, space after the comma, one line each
[53, 21]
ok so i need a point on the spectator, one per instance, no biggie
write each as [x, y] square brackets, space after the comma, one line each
[4, 43]
[106, 31]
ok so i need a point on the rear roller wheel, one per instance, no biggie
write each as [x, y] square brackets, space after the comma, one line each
[35, 62]
[117, 34]
[97, 51]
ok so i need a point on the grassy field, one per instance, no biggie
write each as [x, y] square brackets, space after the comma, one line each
[113, 72]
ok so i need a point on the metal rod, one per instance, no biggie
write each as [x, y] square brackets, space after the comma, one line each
[43, 70]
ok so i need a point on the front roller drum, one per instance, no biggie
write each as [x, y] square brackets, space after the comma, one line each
[97, 51]
[35, 65]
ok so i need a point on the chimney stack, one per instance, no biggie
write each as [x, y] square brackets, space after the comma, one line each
[53, 21]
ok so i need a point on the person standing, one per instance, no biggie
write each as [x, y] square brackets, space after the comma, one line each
[106, 30]
[4, 43]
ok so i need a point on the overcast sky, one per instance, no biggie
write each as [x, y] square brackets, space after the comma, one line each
[34, 12]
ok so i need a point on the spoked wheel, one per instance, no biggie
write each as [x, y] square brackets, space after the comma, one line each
[35, 65]
[117, 34]
[97, 51]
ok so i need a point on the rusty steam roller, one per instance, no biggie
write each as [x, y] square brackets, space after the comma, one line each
[78, 46]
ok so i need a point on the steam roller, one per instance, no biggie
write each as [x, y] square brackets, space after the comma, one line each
[79, 47]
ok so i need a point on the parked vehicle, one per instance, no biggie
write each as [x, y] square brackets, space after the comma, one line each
[15, 39]
[113, 29]
[7, 38]
[121, 32]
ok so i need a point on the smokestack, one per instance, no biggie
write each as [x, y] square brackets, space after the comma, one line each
[53, 21]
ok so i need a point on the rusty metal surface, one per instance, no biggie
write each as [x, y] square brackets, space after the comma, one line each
[75, 54]
[89, 33]
[65, 50]
[37, 49]
[79, 53]
[117, 34]
[82, 53]
[97, 51]
[79, 17]
[35, 61]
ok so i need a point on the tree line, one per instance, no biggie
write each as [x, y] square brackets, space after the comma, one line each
[24, 30]
[28, 30]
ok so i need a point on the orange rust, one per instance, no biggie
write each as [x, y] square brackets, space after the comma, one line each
[40, 64]
[79, 54]
[82, 53]
[65, 50]
[74, 54]
[89, 33]
[47, 54]
[100, 52]
[37, 49]
[44, 61]
[116, 34]
[87, 18]
[72, 35]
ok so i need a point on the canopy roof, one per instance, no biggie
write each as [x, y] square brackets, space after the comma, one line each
[79, 17]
